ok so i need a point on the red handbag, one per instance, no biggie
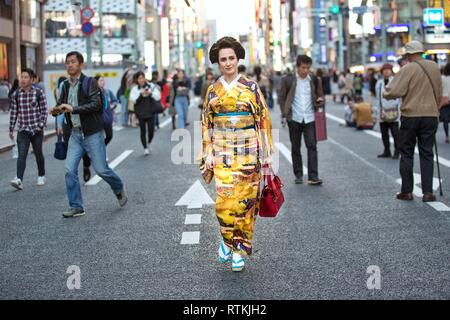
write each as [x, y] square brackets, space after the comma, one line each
[271, 196]
[321, 125]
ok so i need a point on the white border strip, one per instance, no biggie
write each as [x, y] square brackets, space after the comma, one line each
[96, 179]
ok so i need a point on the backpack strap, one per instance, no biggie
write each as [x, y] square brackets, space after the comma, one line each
[85, 85]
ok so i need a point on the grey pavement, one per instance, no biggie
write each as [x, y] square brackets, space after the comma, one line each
[319, 247]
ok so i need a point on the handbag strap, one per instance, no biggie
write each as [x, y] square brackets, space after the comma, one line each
[431, 82]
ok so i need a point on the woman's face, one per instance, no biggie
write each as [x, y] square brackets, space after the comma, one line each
[101, 83]
[228, 62]
[141, 80]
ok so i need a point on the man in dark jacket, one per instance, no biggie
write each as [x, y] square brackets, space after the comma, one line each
[80, 101]
[301, 95]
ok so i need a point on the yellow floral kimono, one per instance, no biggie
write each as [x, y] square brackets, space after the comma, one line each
[236, 132]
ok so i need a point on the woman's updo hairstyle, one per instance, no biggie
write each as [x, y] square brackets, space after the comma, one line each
[225, 43]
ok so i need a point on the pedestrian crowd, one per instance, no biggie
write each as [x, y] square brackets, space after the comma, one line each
[407, 105]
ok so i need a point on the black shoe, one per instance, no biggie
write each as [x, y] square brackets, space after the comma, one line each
[73, 212]
[428, 197]
[315, 182]
[385, 155]
[187, 123]
[298, 180]
[86, 174]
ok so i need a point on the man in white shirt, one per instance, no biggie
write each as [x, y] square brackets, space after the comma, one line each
[300, 96]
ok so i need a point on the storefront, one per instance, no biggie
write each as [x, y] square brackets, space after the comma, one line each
[4, 68]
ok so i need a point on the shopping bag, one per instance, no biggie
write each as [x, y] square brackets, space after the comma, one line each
[321, 125]
[60, 149]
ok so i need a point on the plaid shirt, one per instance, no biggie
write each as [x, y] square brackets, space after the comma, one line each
[32, 114]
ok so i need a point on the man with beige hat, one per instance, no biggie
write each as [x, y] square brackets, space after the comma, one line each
[419, 85]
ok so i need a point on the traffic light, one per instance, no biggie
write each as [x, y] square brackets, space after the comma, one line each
[198, 44]
[334, 9]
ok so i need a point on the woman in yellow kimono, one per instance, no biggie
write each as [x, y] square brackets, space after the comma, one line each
[237, 143]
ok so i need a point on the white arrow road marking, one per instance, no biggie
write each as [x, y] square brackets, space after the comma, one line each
[96, 179]
[286, 153]
[193, 219]
[190, 237]
[195, 197]
[376, 134]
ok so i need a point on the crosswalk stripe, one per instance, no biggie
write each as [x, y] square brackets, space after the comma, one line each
[191, 237]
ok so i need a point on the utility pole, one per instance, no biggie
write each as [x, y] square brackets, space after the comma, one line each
[383, 33]
[411, 19]
[86, 3]
[100, 14]
[135, 51]
[341, 41]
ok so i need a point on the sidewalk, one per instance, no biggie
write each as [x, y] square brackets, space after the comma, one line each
[6, 144]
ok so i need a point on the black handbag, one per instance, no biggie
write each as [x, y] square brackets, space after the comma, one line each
[156, 106]
[60, 149]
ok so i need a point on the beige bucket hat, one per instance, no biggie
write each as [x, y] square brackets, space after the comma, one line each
[413, 47]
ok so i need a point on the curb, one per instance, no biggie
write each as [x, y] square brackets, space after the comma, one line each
[47, 135]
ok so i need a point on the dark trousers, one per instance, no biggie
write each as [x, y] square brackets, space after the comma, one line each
[422, 130]
[24, 139]
[295, 133]
[108, 133]
[384, 128]
[66, 135]
[146, 126]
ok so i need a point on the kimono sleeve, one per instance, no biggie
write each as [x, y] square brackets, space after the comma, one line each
[264, 125]
[207, 143]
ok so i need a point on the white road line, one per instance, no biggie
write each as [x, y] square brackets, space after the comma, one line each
[376, 134]
[169, 121]
[286, 153]
[360, 158]
[192, 237]
[96, 179]
[117, 128]
[439, 206]
[193, 219]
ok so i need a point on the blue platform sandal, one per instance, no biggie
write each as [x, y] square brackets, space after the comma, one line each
[224, 252]
[237, 262]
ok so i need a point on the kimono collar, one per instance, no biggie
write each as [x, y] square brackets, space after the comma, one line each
[229, 86]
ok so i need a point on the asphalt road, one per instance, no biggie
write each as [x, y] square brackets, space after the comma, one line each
[319, 247]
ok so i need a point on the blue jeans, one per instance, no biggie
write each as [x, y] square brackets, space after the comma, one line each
[124, 111]
[94, 145]
[182, 107]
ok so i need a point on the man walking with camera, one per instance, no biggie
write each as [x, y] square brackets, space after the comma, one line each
[419, 85]
[81, 102]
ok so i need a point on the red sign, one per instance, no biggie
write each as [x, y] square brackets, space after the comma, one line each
[87, 14]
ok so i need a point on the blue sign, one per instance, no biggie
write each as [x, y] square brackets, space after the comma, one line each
[87, 28]
[433, 16]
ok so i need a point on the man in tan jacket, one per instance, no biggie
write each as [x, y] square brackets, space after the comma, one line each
[419, 85]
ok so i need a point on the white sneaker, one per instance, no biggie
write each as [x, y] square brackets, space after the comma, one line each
[16, 183]
[41, 181]
[146, 152]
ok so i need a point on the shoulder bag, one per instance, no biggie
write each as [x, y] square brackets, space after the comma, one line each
[387, 115]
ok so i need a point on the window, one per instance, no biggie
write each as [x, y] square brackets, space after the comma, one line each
[6, 9]
[30, 13]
